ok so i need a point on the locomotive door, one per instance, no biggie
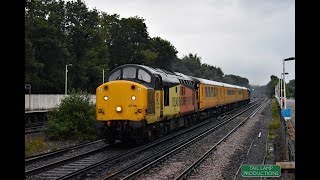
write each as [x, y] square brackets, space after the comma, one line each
[159, 86]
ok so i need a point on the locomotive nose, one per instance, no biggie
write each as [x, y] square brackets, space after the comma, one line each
[121, 100]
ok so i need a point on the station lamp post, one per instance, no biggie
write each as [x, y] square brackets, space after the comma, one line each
[284, 82]
[66, 89]
[279, 91]
[281, 82]
[103, 75]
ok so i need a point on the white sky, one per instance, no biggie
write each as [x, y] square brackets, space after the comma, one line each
[248, 38]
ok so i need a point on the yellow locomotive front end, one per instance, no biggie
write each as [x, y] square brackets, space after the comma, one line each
[122, 103]
[122, 106]
[121, 100]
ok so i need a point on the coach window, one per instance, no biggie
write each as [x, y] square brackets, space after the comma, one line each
[144, 76]
[129, 73]
[207, 91]
[115, 75]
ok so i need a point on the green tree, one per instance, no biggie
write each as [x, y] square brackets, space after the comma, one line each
[32, 67]
[290, 88]
[236, 80]
[129, 38]
[211, 72]
[270, 87]
[87, 44]
[59, 32]
[191, 65]
[166, 53]
[49, 49]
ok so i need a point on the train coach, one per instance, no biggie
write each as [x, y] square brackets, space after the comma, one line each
[139, 103]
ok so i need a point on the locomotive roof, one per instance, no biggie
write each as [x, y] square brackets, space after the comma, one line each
[167, 76]
[176, 77]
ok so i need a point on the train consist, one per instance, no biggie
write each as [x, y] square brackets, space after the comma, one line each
[140, 103]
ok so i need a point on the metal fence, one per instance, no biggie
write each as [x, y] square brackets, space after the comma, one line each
[287, 143]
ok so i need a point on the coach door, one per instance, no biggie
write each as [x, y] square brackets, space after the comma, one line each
[196, 104]
[217, 94]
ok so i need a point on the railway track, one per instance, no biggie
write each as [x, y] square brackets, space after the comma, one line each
[31, 169]
[44, 156]
[89, 162]
[33, 128]
[185, 173]
[136, 169]
[55, 170]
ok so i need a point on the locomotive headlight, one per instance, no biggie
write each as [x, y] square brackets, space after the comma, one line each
[105, 98]
[133, 98]
[118, 109]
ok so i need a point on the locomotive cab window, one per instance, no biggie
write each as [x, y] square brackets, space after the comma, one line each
[144, 76]
[129, 73]
[115, 76]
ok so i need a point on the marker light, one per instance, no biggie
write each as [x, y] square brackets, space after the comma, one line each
[105, 98]
[133, 98]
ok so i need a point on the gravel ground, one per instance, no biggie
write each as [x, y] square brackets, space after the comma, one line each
[254, 146]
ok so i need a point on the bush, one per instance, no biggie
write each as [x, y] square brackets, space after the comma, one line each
[275, 124]
[73, 119]
[275, 109]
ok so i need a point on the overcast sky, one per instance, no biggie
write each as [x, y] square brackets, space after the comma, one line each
[248, 38]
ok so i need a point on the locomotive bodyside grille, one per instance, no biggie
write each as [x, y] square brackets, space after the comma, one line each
[151, 106]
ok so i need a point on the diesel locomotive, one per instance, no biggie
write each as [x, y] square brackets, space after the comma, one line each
[140, 103]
